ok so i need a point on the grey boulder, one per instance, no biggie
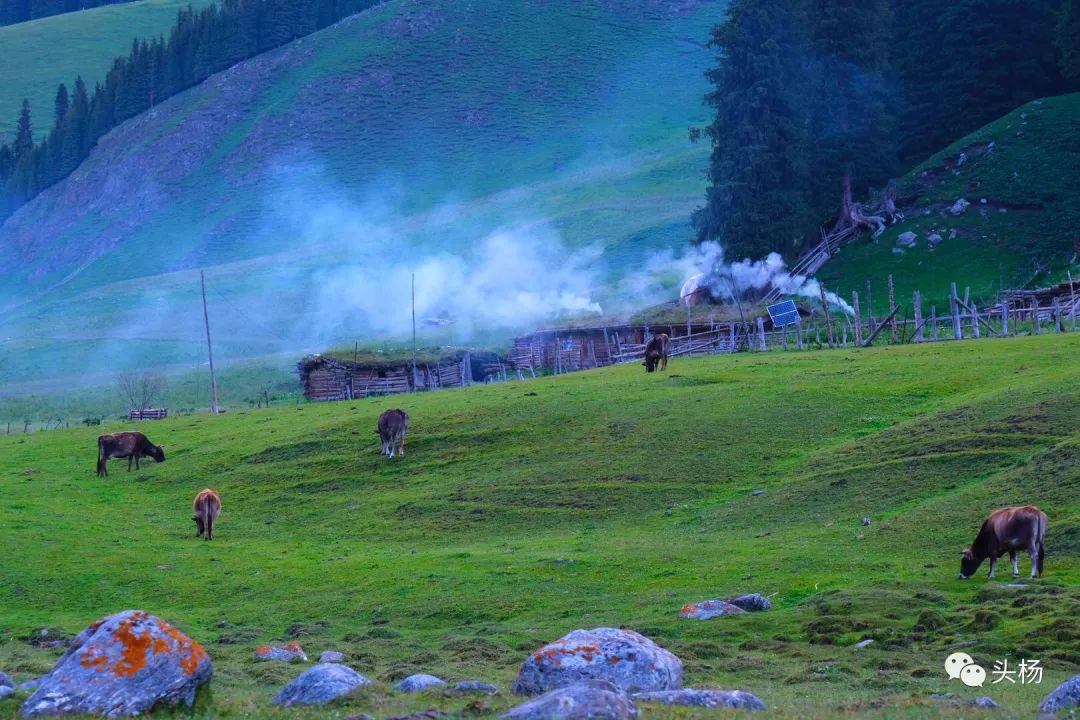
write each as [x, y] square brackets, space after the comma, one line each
[418, 683]
[124, 664]
[6, 681]
[591, 700]
[753, 602]
[331, 656]
[708, 610]
[689, 697]
[6, 690]
[625, 658]
[289, 652]
[1065, 696]
[320, 684]
[984, 702]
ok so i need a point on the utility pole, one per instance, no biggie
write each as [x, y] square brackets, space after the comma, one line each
[209, 348]
[414, 330]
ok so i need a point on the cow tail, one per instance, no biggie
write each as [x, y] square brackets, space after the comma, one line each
[1041, 546]
[100, 454]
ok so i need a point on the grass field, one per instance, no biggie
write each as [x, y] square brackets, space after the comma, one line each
[41, 54]
[1023, 235]
[525, 510]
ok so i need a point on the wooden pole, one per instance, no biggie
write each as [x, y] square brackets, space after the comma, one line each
[1035, 315]
[761, 333]
[828, 319]
[858, 320]
[933, 321]
[214, 407]
[916, 301]
[954, 309]
[798, 334]
[1059, 326]
[783, 329]
[413, 293]
[880, 327]
[974, 320]
[1072, 300]
[869, 309]
[1005, 317]
[892, 308]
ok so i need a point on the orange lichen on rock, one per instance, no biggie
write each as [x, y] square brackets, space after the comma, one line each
[137, 643]
[688, 608]
[263, 649]
[294, 646]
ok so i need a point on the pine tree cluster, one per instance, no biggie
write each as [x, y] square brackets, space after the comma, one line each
[807, 91]
[202, 42]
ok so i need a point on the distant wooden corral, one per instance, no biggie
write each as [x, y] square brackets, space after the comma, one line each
[148, 414]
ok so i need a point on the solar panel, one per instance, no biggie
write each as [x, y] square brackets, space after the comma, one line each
[783, 313]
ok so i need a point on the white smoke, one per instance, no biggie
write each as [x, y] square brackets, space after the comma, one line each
[706, 266]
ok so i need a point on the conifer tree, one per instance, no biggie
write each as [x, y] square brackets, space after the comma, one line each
[61, 104]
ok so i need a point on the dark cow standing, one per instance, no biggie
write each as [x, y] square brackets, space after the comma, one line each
[130, 445]
[393, 425]
[206, 508]
[656, 352]
[1007, 531]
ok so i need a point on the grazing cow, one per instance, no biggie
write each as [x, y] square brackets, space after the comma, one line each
[206, 507]
[656, 352]
[130, 445]
[1007, 530]
[393, 424]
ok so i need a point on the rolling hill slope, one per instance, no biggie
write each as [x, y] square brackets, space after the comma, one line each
[41, 54]
[524, 510]
[414, 136]
[1020, 229]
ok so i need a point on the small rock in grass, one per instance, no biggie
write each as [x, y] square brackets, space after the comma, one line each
[708, 610]
[959, 207]
[753, 602]
[1065, 696]
[6, 681]
[864, 643]
[331, 656]
[984, 702]
[289, 652]
[758, 492]
[429, 714]
[361, 716]
[320, 684]
[594, 699]
[31, 685]
[690, 697]
[475, 686]
[418, 683]
[6, 690]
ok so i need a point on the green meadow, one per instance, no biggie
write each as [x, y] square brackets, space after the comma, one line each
[524, 510]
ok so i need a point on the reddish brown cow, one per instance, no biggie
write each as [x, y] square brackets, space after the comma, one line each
[1006, 531]
[656, 351]
[206, 507]
[130, 445]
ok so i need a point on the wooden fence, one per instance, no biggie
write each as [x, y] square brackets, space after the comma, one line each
[148, 414]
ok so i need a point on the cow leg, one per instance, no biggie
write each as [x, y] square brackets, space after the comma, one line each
[993, 566]
[198, 524]
[1033, 550]
[137, 466]
[209, 526]
[1016, 567]
[401, 450]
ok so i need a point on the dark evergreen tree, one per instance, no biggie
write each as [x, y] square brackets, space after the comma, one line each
[60, 105]
[1067, 40]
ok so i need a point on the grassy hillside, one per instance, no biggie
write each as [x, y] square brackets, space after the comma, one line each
[525, 510]
[396, 136]
[1024, 234]
[41, 54]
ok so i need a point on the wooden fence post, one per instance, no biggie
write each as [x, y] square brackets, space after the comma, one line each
[858, 320]
[1005, 317]
[933, 322]
[869, 309]
[1058, 325]
[798, 334]
[892, 306]
[1035, 315]
[783, 329]
[954, 308]
[828, 319]
[761, 333]
[974, 320]
[916, 300]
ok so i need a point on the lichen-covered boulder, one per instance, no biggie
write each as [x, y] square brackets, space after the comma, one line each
[124, 664]
[591, 700]
[708, 610]
[418, 683]
[631, 661]
[331, 656]
[734, 699]
[753, 602]
[289, 652]
[320, 684]
[1065, 696]
[475, 686]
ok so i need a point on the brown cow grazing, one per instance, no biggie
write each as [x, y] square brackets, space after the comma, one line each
[1007, 530]
[393, 424]
[130, 445]
[656, 352]
[206, 507]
